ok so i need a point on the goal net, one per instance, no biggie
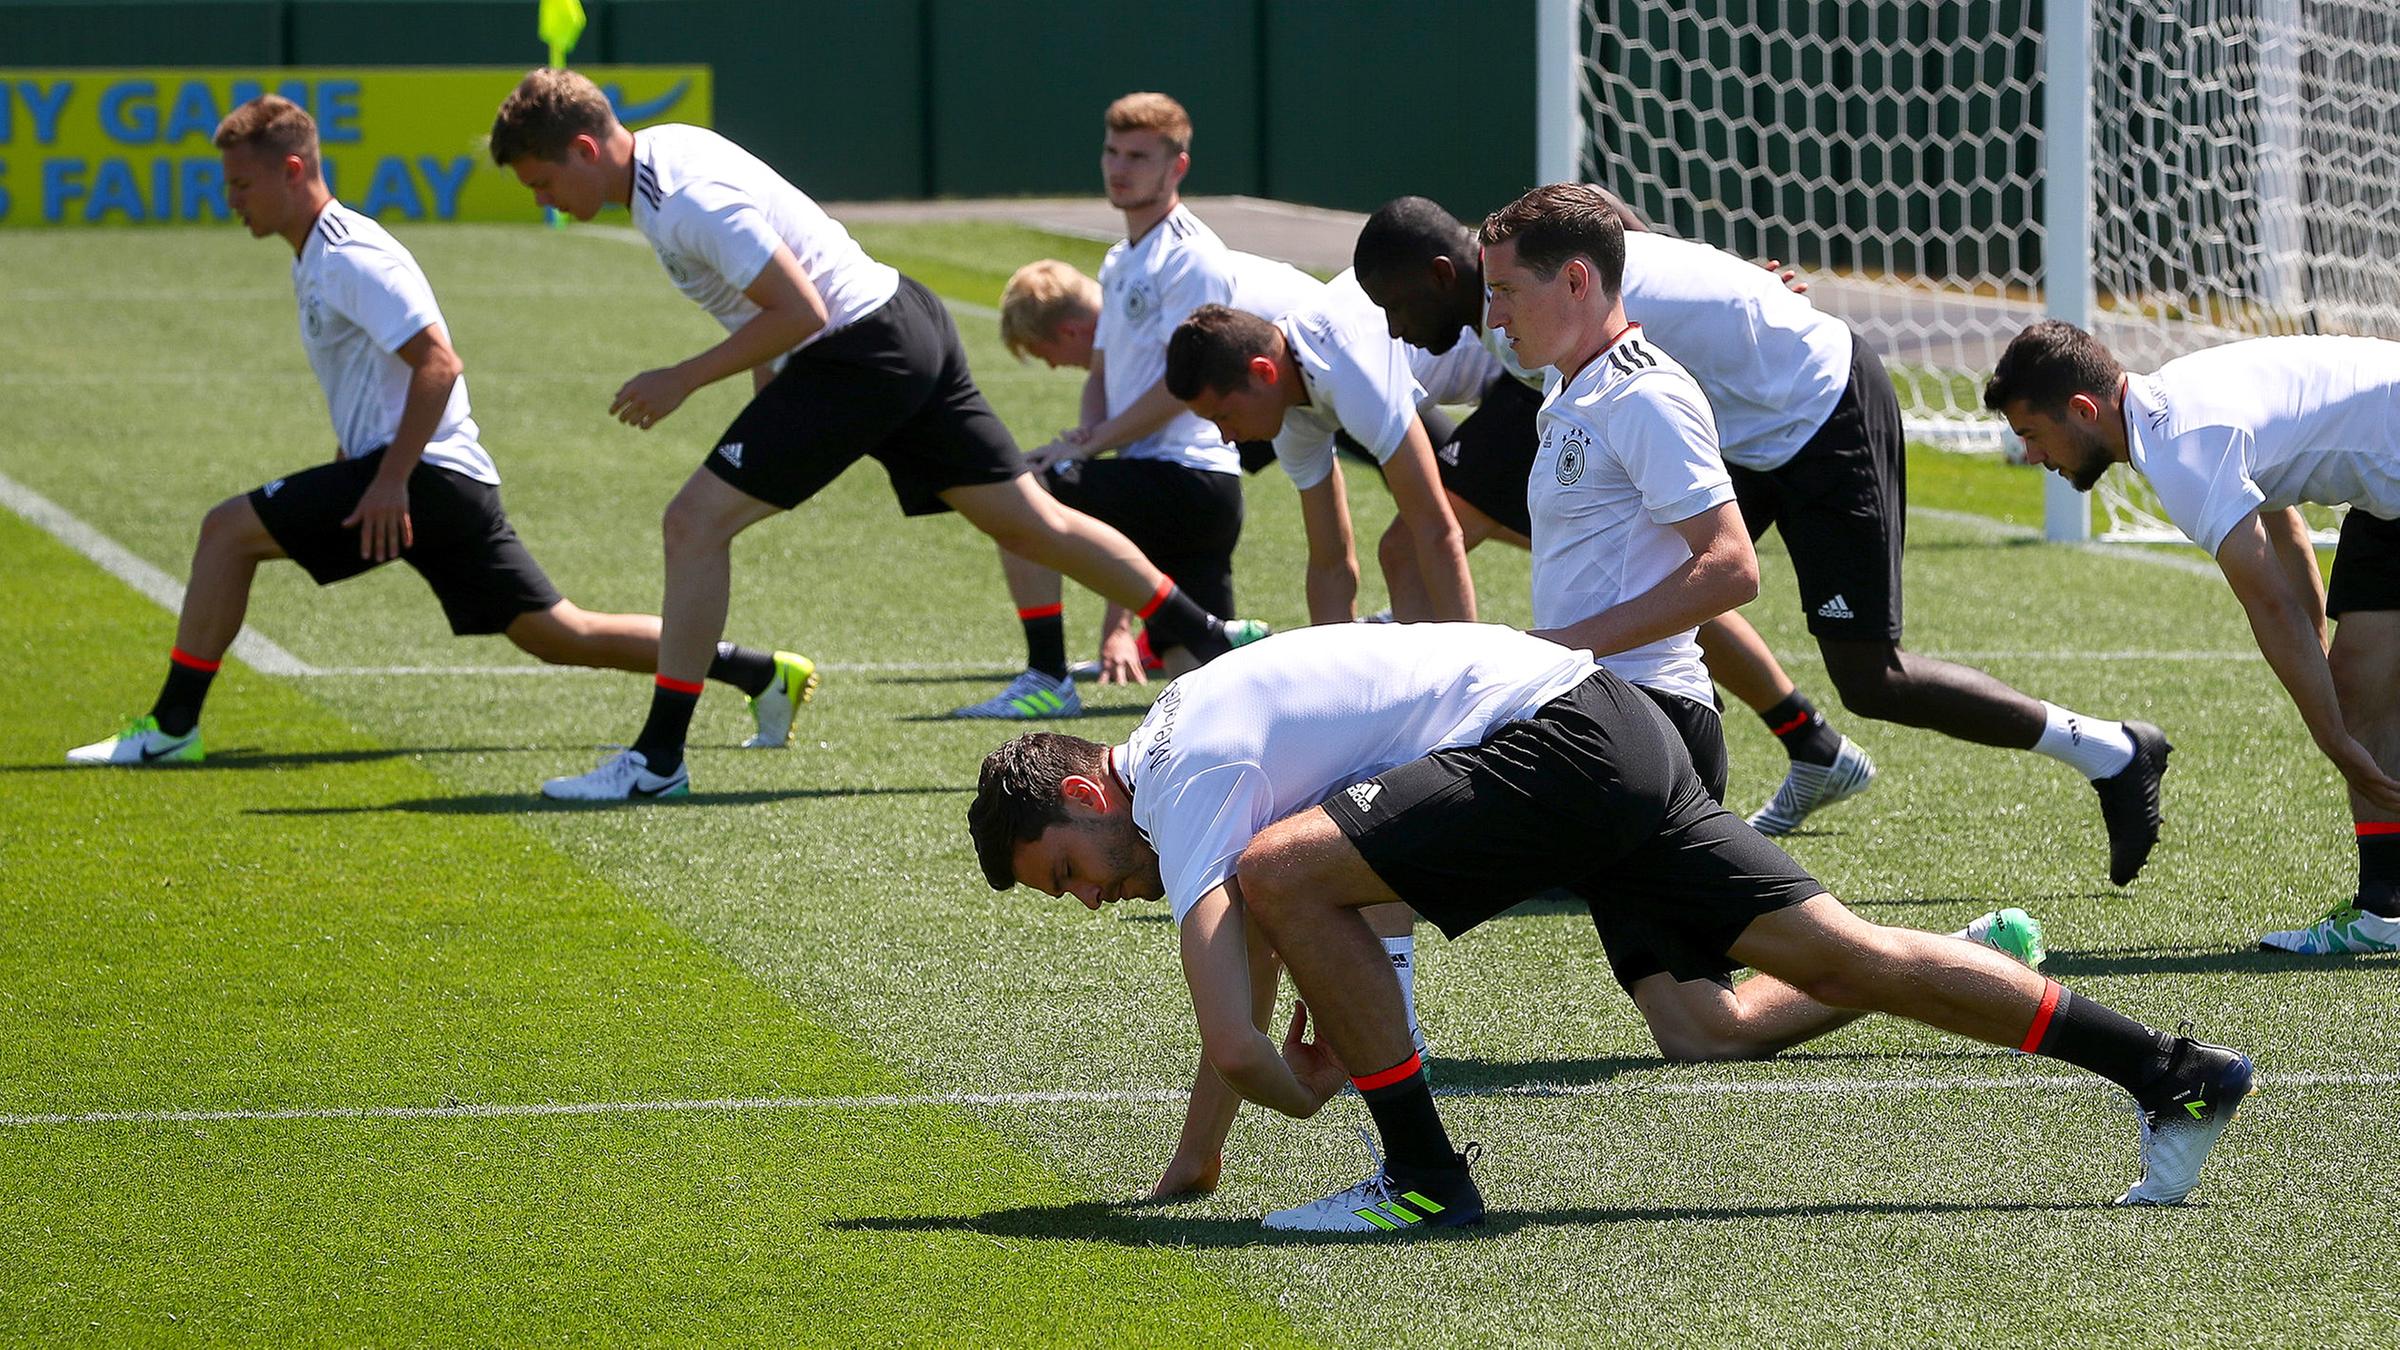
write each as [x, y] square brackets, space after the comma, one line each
[2242, 175]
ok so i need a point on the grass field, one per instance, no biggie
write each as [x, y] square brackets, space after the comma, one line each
[345, 1036]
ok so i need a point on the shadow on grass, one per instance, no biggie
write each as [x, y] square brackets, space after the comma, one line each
[531, 803]
[1133, 1224]
[2192, 960]
[1528, 1077]
[248, 757]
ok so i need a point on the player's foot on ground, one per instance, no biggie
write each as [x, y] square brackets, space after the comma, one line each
[142, 743]
[776, 706]
[1809, 788]
[1031, 697]
[2011, 932]
[1392, 1202]
[2129, 802]
[2182, 1117]
[622, 777]
[2347, 930]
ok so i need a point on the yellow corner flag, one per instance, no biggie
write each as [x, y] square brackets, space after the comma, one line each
[561, 26]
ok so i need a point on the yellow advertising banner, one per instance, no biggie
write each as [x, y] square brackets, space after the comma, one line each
[115, 147]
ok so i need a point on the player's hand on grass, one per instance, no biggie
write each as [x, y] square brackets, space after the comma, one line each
[1319, 1070]
[1189, 1178]
[1788, 276]
[647, 398]
[381, 517]
[1121, 659]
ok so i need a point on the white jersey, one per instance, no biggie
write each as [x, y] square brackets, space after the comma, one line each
[362, 297]
[1627, 449]
[1357, 378]
[2269, 423]
[715, 212]
[1773, 365]
[1270, 288]
[1277, 726]
[1148, 287]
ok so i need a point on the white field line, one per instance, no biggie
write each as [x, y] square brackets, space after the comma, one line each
[1798, 1087]
[2155, 557]
[119, 562]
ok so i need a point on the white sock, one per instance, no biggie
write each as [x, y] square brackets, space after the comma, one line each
[2096, 748]
[1403, 951]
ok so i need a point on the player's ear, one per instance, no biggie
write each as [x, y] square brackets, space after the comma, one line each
[1445, 272]
[1084, 791]
[1579, 278]
[1264, 370]
[585, 147]
[2084, 408]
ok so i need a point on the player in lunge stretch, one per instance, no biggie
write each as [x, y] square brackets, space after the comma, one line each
[1135, 458]
[1461, 769]
[2234, 438]
[849, 360]
[1422, 267]
[1811, 432]
[410, 479]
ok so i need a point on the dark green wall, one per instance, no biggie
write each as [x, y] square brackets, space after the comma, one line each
[1336, 102]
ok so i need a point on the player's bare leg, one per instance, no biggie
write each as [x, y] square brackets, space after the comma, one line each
[567, 634]
[233, 542]
[1694, 1020]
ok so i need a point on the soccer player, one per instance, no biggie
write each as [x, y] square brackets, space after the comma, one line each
[848, 358]
[2234, 438]
[1810, 428]
[1302, 380]
[1421, 266]
[1463, 768]
[410, 479]
[1135, 458]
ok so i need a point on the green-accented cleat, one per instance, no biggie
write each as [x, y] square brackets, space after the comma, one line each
[1243, 632]
[1031, 697]
[779, 703]
[142, 745]
[2346, 930]
[2011, 932]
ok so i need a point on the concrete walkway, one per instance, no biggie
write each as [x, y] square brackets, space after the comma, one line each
[1305, 236]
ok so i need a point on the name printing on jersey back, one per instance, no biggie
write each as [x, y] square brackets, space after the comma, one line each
[1162, 714]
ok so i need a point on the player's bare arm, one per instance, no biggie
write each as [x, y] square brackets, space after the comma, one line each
[789, 311]
[2296, 549]
[1295, 1079]
[1719, 577]
[1441, 552]
[1199, 1159]
[382, 513]
[2287, 625]
[1332, 555]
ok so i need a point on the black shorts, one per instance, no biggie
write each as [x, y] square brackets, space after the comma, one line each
[1594, 793]
[892, 387]
[1485, 463]
[1185, 520]
[2366, 566]
[1843, 504]
[462, 545]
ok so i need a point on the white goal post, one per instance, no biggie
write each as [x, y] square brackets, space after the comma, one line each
[2171, 174]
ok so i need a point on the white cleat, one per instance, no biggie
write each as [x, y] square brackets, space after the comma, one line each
[2346, 931]
[141, 744]
[776, 706]
[622, 777]
[1808, 788]
[2178, 1130]
[1386, 1204]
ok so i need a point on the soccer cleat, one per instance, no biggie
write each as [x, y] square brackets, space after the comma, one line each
[2011, 932]
[2204, 1086]
[2129, 802]
[1809, 788]
[1243, 632]
[1031, 697]
[2344, 931]
[622, 777]
[776, 705]
[141, 744]
[1388, 1202]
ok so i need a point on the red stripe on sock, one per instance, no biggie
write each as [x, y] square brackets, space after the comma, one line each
[2041, 1016]
[1398, 1073]
[1789, 727]
[1166, 587]
[2366, 828]
[1041, 612]
[669, 682]
[183, 658]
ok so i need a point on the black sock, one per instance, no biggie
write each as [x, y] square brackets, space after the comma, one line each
[2103, 1040]
[1804, 734]
[1045, 639]
[745, 668]
[186, 688]
[1175, 621]
[1413, 1137]
[2379, 869]
[661, 741]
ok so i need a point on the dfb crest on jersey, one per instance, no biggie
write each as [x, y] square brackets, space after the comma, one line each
[312, 317]
[1140, 301]
[675, 268]
[1573, 448]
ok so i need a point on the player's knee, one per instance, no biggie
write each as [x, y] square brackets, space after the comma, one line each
[1871, 689]
[1274, 879]
[1396, 551]
[1694, 1045]
[230, 527]
[544, 638]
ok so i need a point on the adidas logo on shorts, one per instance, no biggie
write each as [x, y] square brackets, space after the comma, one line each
[731, 453]
[1364, 795]
[271, 489]
[1836, 608]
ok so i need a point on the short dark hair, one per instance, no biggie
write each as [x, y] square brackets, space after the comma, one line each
[545, 113]
[1212, 350]
[1017, 796]
[1563, 221]
[2049, 363]
[1408, 233]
